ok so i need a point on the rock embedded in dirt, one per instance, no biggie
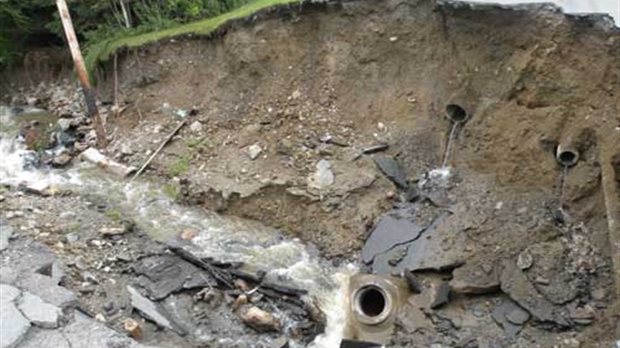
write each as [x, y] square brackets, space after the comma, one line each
[412, 280]
[259, 320]
[196, 127]
[132, 328]
[323, 177]
[47, 289]
[392, 170]
[441, 295]
[113, 231]
[254, 151]
[525, 260]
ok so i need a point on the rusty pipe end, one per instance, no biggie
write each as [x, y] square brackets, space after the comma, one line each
[372, 304]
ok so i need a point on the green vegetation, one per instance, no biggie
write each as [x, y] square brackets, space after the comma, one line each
[102, 50]
[180, 167]
[103, 26]
[113, 215]
[171, 191]
[195, 142]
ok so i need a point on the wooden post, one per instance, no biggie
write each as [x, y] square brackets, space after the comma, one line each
[89, 95]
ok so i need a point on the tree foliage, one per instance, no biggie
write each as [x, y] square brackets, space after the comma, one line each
[27, 24]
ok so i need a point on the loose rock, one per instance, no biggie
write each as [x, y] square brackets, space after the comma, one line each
[254, 151]
[259, 320]
[132, 328]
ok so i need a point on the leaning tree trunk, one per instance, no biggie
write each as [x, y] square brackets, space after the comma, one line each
[78, 60]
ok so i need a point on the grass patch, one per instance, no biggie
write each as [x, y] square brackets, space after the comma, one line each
[102, 51]
[171, 191]
[195, 142]
[113, 215]
[180, 167]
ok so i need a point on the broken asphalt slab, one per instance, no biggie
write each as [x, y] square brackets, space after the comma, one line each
[440, 247]
[389, 232]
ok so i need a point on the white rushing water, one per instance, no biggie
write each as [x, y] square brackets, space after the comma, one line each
[222, 238]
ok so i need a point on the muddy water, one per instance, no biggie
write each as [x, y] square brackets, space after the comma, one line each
[222, 238]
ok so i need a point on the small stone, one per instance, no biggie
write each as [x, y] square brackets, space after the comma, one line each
[196, 127]
[393, 38]
[240, 301]
[525, 260]
[61, 160]
[67, 215]
[281, 342]
[254, 151]
[323, 177]
[414, 283]
[64, 124]
[39, 312]
[133, 328]
[259, 320]
[113, 231]
[189, 234]
[242, 285]
[100, 318]
[72, 237]
[599, 294]
[80, 263]
[126, 150]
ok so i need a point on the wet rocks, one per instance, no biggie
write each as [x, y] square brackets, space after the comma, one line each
[62, 159]
[392, 170]
[259, 320]
[162, 275]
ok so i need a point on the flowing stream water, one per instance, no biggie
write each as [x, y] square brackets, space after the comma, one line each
[220, 237]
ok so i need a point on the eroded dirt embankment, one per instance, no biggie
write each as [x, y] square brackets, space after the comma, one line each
[324, 82]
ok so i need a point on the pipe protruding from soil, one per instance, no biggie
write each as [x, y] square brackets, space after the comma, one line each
[372, 304]
[567, 155]
[456, 113]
